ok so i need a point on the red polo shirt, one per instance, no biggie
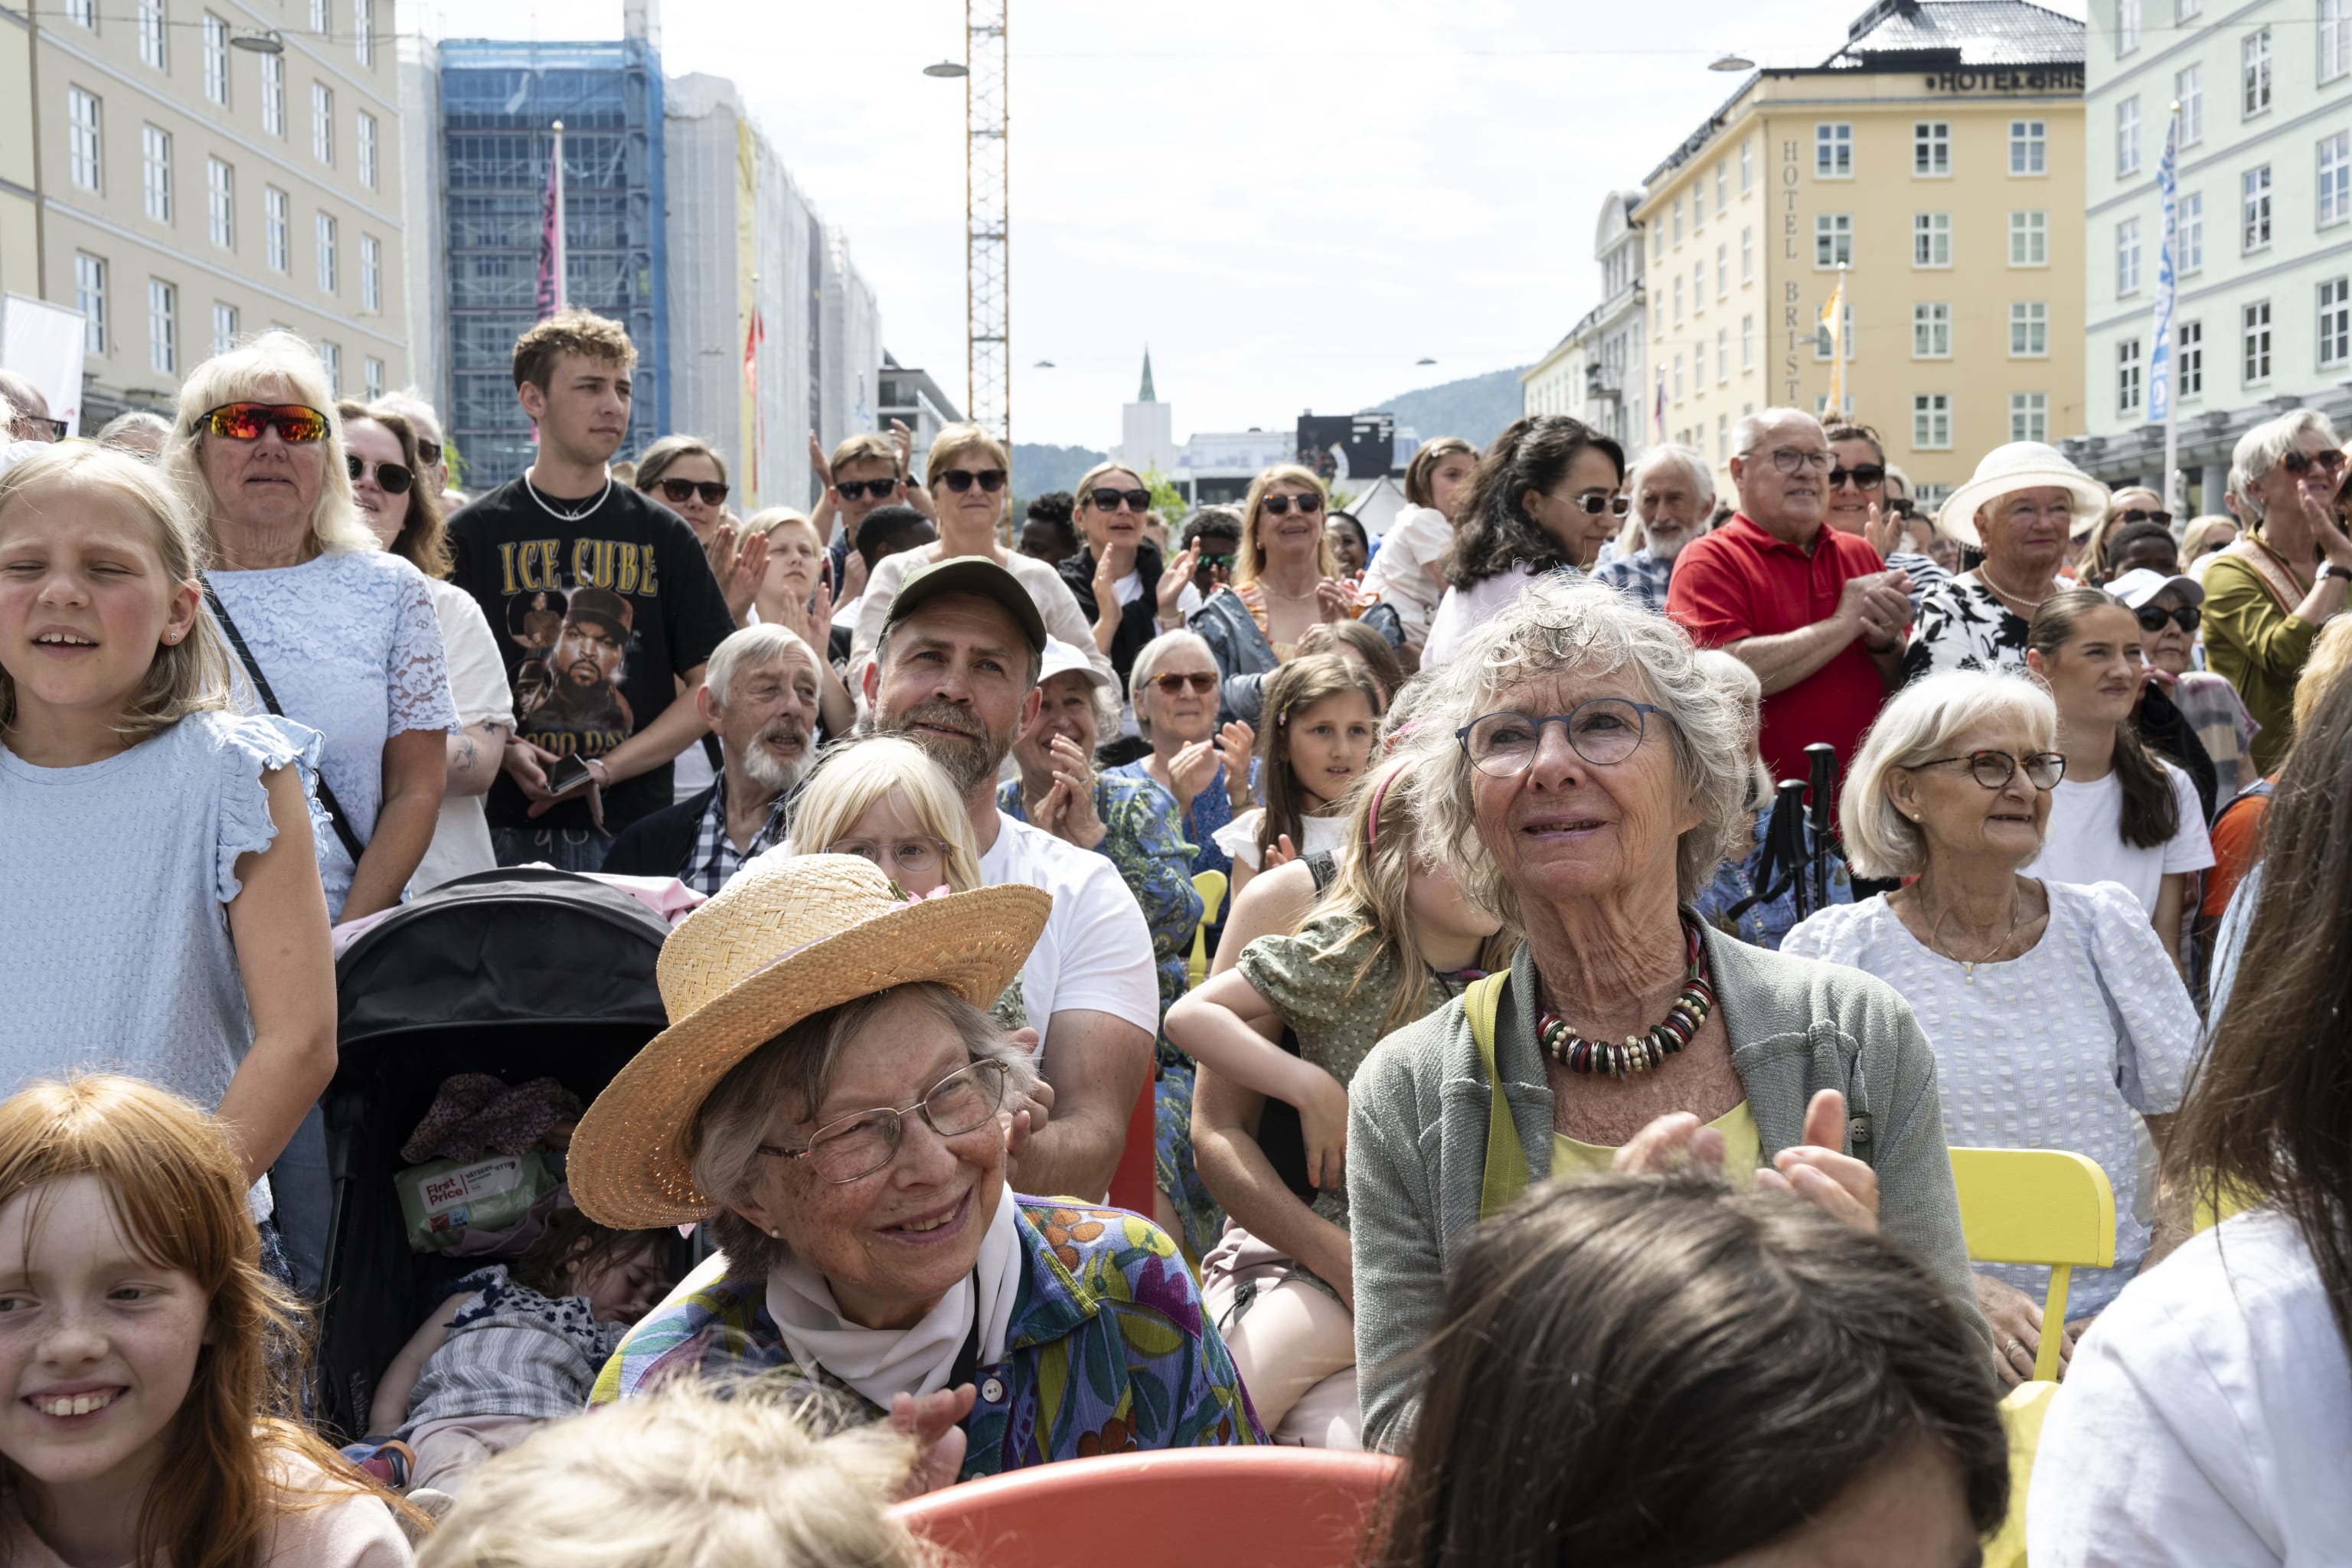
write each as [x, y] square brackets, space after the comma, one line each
[1740, 581]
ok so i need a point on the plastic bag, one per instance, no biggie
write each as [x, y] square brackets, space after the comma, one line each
[442, 1199]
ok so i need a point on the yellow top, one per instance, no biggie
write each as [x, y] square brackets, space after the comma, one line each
[1743, 1150]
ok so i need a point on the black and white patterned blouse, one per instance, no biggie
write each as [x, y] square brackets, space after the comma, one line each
[1963, 625]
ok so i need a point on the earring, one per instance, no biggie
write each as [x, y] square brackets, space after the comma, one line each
[776, 1235]
[171, 638]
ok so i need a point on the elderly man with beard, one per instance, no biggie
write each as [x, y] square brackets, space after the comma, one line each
[955, 670]
[1673, 495]
[760, 698]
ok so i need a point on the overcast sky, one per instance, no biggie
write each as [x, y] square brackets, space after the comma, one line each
[1291, 201]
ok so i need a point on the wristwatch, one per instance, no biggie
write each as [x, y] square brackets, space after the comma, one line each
[2330, 569]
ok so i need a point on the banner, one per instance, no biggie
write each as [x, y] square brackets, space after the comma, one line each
[1833, 322]
[2159, 359]
[551, 233]
[43, 343]
[751, 341]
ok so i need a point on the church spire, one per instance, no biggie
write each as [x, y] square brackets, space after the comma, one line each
[1146, 394]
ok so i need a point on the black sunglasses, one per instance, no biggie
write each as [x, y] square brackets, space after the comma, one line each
[1865, 475]
[57, 426]
[428, 452]
[878, 489]
[678, 492]
[1108, 500]
[962, 479]
[1308, 504]
[1593, 504]
[2141, 514]
[391, 479]
[2326, 458]
[2187, 617]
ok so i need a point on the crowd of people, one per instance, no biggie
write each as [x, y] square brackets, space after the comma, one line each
[1632, 897]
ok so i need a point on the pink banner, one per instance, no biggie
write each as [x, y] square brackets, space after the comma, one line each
[550, 290]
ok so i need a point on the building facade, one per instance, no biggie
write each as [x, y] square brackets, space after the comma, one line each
[2263, 309]
[1595, 372]
[1938, 157]
[911, 396]
[200, 180]
[1147, 429]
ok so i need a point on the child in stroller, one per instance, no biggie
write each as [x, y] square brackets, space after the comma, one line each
[511, 1347]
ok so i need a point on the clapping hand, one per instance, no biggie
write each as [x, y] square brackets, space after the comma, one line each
[1191, 771]
[932, 1420]
[739, 559]
[1073, 788]
[1236, 742]
[1838, 1185]
[1107, 606]
[1885, 527]
[1334, 600]
[820, 465]
[1175, 577]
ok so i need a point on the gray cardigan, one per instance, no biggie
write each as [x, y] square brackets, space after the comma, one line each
[1417, 1136]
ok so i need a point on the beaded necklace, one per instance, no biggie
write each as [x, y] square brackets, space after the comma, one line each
[1640, 1053]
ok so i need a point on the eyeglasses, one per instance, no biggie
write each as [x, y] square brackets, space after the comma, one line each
[391, 479]
[294, 422]
[1217, 558]
[678, 492]
[1109, 499]
[1603, 731]
[857, 1145]
[1308, 504]
[876, 490]
[1593, 503]
[55, 427]
[2187, 617]
[2298, 462]
[1174, 681]
[917, 855]
[2141, 514]
[1865, 475]
[428, 452]
[1995, 769]
[962, 479]
[1788, 460]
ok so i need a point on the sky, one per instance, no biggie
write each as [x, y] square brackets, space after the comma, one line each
[1291, 202]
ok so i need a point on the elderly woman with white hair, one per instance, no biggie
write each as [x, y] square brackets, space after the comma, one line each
[1588, 795]
[2053, 1011]
[2267, 595]
[1673, 496]
[2020, 508]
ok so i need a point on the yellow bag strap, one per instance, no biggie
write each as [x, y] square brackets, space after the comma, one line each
[1507, 1158]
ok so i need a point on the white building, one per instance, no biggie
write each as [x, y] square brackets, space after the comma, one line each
[912, 397]
[1148, 429]
[1216, 466]
[1595, 372]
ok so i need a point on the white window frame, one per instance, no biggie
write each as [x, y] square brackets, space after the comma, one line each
[1723, 270]
[2029, 149]
[2131, 377]
[370, 378]
[162, 327]
[1931, 421]
[216, 60]
[364, 141]
[322, 124]
[1931, 330]
[1678, 217]
[2254, 210]
[1832, 241]
[1678, 378]
[86, 140]
[2254, 74]
[2335, 155]
[2334, 50]
[2255, 343]
[89, 299]
[2028, 417]
[224, 327]
[2029, 328]
[2127, 258]
[1722, 185]
[1747, 166]
[1698, 287]
[1678, 300]
[2189, 91]
[2127, 137]
[1722, 356]
[322, 20]
[154, 46]
[1931, 240]
[220, 202]
[2183, 10]
[1748, 254]
[1746, 342]
[1833, 150]
[370, 274]
[2335, 332]
[155, 172]
[273, 95]
[331, 355]
[2188, 233]
[363, 32]
[82, 14]
[1822, 337]
[330, 279]
[2126, 27]
[2029, 237]
[2189, 359]
[1931, 149]
[277, 229]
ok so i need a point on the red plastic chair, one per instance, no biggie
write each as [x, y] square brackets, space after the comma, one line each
[1237, 1507]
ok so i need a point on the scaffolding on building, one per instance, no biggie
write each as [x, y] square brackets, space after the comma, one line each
[987, 275]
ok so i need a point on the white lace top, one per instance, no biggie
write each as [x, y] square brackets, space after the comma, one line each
[351, 645]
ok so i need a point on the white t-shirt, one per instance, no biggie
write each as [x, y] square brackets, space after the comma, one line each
[1238, 838]
[2205, 1420]
[477, 682]
[2084, 842]
[1465, 610]
[1408, 573]
[1096, 952]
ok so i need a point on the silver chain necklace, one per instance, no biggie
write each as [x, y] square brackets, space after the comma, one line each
[586, 511]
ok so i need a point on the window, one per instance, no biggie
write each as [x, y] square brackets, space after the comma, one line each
[1833, 239]
[2126, 25]
[275, 237]
[1679, 301]
[1931, 331]
[371, 273]
[1722, 354]
[364, 31]
[155, 145]
[1747, 254]
[2029, 328]
[1678, 378]
[220, 202]
[1931, 421]
[1748, 343]
[89, 299]
[1698, 287]
[327, 272]
[1723, 437]
[2182, 10]
[162, 327]
[1833, 151]
[1723, 269]
[2189, 357]
[1698, 204]
[1722, 190]
[2254, 55]
[2028, 417]
[1746, 164]
[2188, 89]
[2029, 146]
[1821, 336]
[370, 373]
[223, 328]
[82, 14]
[2128, 371]
[273, 94]
[366, 138]
[2334, 178]
[1698, 367]
[2127, 138]
[331, 356]
[2127, 256]
[321, 20]
[81, 138]
[322, 122]
[2335, 323]
[2256, 341]
[2334, 39]
[1931, 240]
[2028, 240]
[2189, 232]
[2257, 209]
[1678, 217]
[151, 34]
[215, 59]
[1931, 149]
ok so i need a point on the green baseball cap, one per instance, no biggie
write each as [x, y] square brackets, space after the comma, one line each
[974, 574]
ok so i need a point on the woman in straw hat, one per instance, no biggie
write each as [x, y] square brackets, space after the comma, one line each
[2020, 509]
[832, 1098]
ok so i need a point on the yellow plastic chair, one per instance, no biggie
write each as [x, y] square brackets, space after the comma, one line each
[2023, 1411]
[2040, 1206]
[1210, 886]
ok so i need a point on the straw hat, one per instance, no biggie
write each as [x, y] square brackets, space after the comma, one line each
[2005, 471]
[791, 936]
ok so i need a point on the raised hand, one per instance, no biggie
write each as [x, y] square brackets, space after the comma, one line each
[933, 1421]
[1884, 529]
[1175, 577]
[1334, 600]
[820, 465]
[1081, 824]
[745, 573]
[1836, 1184]
[1281, 852]
[1234, 743]
[1191, 770]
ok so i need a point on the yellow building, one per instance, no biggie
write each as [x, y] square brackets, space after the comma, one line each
[1939, 155]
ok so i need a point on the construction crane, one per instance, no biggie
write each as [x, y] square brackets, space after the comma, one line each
[988, 290]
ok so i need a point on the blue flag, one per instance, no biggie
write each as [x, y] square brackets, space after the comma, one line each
[2160, 362]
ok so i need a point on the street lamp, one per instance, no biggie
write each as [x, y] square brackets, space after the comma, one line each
[1731, 62]
[258, 41]
[945, 68]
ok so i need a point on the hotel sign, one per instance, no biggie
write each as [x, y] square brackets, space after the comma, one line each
[2048, 79]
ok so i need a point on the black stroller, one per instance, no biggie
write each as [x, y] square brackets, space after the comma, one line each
[524, 974]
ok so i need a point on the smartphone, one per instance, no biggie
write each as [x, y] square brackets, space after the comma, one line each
[567, 776]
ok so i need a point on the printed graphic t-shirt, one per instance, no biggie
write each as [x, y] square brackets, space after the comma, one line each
[596, 619]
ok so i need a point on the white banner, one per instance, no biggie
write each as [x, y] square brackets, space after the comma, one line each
[2160, 361]
[43, 342]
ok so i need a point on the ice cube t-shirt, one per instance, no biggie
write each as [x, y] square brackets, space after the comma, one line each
[597, 616]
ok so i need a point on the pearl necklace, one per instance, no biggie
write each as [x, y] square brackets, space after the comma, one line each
[1640, 1053]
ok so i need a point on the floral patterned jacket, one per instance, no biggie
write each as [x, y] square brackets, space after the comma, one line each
[1108, 1349]
[1144, 838]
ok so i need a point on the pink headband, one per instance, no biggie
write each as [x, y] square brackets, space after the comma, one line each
[1379, 794]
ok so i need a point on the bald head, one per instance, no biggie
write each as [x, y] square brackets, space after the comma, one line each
[29, 411]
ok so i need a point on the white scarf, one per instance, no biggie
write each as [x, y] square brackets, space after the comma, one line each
[880, 1363]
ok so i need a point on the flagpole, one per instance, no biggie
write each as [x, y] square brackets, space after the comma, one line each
[1837, 350]
[556, 174]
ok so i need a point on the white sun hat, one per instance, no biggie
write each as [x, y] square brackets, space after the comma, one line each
[2005, 471]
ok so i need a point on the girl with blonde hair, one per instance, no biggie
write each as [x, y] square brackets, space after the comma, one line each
[792, 595]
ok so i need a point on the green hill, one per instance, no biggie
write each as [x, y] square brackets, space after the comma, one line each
[1037, 467]
[1475, 407]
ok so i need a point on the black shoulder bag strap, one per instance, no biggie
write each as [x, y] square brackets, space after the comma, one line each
[336, 815]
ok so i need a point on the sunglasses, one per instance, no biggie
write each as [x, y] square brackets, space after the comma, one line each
[1217, 558]
[428, 452]
[1592, 503]
[876, 490]
[2141, 514]
[1865, 475]
[1308, 505]
[1109, 499]
[2152, 617]
[962, 479]
[294, 422]
[2329, 458]
[391, 479]
[1202, 681]
[678, 492]
[56, 427]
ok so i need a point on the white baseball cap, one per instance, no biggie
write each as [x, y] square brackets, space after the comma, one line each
[2141, 586]
[1062, 659]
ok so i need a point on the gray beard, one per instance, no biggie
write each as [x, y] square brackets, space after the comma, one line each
[969, 762]
[761, 766]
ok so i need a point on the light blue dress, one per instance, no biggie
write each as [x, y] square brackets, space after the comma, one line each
[351, 645]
